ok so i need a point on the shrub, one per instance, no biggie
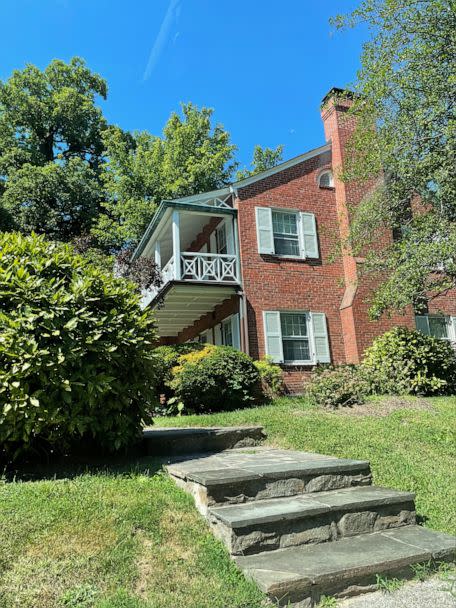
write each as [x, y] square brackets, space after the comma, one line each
[336, 386]
[76, 352]
[271, 377]
[216, 378]
[167, 359]
[404, 361]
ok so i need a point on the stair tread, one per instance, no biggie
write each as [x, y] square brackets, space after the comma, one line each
[299, 568]
[307, 505]
[243, 465]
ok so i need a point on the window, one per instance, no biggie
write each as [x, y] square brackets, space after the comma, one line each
[227, 333]
[325, 180]
[296, 337]
[285, 229]
[220, 238]
[286, 233]
[438, 326]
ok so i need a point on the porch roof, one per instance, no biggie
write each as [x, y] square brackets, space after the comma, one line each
[163, 216]
[181, 303]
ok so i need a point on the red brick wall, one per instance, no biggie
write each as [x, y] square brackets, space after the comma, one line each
[275, 283]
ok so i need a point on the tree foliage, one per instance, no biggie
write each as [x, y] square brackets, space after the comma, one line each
[406, 132]
[51, 149]
[190, 157]
[263, 159]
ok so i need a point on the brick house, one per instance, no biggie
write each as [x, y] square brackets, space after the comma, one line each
[251, 265]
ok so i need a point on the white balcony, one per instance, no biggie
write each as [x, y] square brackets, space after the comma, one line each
[193, 244]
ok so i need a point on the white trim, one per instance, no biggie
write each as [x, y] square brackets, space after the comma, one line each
[176, 245]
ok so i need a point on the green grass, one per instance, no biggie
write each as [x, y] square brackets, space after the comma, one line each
[126, 537]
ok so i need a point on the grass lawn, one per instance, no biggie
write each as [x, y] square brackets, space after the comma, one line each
[126, 537]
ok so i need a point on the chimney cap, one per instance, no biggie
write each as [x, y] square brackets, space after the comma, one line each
[338, 93]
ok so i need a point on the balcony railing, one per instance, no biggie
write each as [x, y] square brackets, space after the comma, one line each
[195, 266]
[213, 267]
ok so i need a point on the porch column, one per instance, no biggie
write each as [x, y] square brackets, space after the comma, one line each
[157, 254]
[176, 245]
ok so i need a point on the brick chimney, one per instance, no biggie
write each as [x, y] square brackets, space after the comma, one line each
[339, 124]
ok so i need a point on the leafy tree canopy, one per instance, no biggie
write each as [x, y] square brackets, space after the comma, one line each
[263, 159]
[406, 131]
[51, 148]
[191, 156]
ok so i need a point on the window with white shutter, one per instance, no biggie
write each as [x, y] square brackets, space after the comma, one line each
[296, 338]
[286, 233]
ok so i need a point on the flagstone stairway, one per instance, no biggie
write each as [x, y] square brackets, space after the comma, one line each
[301, 525]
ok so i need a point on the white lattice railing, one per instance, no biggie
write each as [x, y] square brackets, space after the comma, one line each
[213, 267]
[208, 267]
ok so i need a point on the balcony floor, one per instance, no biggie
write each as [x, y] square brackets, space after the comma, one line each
[182, 303]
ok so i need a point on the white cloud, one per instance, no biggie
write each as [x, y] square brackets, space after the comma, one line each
[162, 38]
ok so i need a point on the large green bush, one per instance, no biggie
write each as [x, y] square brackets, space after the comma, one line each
[404, 361]
[76, 352]
[337, 386]
[216, 378]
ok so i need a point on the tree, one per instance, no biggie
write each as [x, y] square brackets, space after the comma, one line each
[192, 156]
[406, 132]
[51, 149]
[263, 159]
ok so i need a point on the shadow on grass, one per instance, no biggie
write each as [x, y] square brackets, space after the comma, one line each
[124, 463]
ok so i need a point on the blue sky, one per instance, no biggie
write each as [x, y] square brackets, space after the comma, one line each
[262, 65]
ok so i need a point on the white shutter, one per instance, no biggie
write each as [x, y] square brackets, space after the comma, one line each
[264, 230]
[273, 335]
[453, 329]
[235, 332]
[422, 324]
[320, 337]
[217, 335]
[309, 235]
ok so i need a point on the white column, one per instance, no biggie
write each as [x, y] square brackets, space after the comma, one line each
[234, 228]
[176, 245]
[157, 254]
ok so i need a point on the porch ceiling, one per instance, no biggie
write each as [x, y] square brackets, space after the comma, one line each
[183, 304]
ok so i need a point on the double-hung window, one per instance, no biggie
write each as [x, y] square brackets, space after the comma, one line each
[285, 230]
[439, 326]
[221, 242]
[227, 333]
[287, 233]
[296, 338]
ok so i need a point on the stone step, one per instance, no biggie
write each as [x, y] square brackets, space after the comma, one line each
[243, 475]
[297, 577]
[179, 441]
[266, 525]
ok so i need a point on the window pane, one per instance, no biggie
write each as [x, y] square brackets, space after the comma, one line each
[438, 327]
[293, 324]
[221, 239]
[284, 223]
[296, 350]
[227, 336]
[286, 246]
